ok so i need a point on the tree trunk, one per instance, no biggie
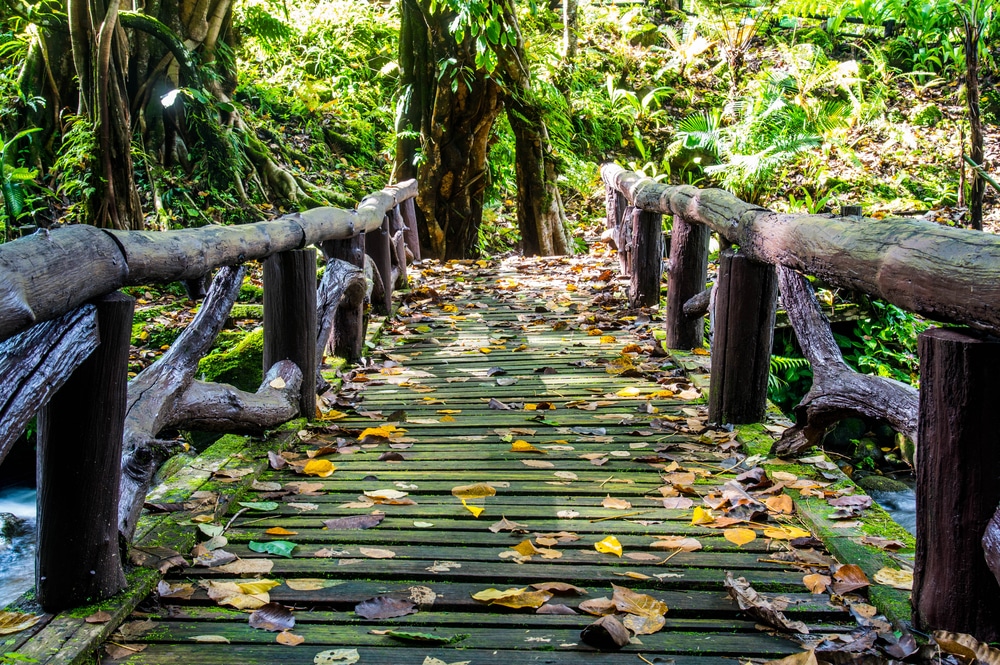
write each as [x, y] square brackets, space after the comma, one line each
[569, 32]
[540, 215]
[971, 43]
[452, 105]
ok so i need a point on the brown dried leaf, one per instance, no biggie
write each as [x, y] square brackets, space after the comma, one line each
[816, 583]
[848, 578]
[641, 604]
[598, 606]
[376, 553]
[560, 588]
[355, 522]
[385, 607]
[289, 639]
[606, 634]
[676, 543]
[615, 504]
[274, 617]
[756, 606]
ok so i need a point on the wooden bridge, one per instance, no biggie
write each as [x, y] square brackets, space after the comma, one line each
[518, 458]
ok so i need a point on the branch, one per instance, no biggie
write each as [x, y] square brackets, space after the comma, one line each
[187, 60]
[837, 391]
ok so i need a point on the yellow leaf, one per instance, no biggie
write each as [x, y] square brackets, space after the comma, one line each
[533, 599]
[609, 545]
[447, 419]
[702, 516]
[700, 352]
[319, 467]
[384, 431]
[332, 414]
[897, 579]
[607, 339]
[477, 491]
[525, 548]
[787, 532]
[279, 531]
[475, 510]
[485, 349]
[530, 407]
[740, 537]
[631, 391]
[644, 625]
[489, 595]
[522, 446]
[677, 543]
[257, 586]
[449, 411]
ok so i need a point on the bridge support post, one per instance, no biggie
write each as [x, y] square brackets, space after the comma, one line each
[378, 246]
[958, 482]
[616, 206]
[398, 241]
[408, 208]
[290, 328]
[687, 276]
[349, 324]
[745, 304]
[647, 258]
[79, 468]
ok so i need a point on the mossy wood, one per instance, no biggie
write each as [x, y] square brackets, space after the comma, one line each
[42, 276]
[439, 548]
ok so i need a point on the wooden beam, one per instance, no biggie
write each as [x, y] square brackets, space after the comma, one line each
[687, 275]
[647, 259]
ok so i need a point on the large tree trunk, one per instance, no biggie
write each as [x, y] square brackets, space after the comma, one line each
[540, 215]
[452, 105]
[976, 153]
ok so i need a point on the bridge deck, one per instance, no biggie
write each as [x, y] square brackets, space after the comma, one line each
[610, 433]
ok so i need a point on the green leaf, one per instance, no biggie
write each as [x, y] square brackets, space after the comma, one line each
[211, 530]
[276, 547]
[410, 636]
[260, 505]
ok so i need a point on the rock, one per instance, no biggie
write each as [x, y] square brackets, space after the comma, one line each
[840, 437]
[875, 483]
[11, 526]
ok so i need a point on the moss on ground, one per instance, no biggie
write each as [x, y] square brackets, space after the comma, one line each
[241, 366]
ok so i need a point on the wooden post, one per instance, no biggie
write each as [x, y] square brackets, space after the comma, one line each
[958, 483]
[745, 304]
[79, 468]
[398, 229]
[290, 331]
[616, 204]
[647, 258]
[409, 210]
[378, 247]
[687, 276]
[350, 249]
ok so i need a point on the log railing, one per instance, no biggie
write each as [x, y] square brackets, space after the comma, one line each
[64, 347]
[947, 274]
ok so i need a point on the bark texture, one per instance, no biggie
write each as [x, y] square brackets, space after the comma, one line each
[991, 545]
[687, 275]
[42, 276]
[451, 105]
[158, 400]
[36, 363]
[837, 391]
[958, 483]
[943, 273]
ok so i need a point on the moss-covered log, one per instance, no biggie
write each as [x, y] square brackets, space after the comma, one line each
[943, 273]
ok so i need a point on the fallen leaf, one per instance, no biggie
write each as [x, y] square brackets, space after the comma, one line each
[677, 543]
[897, 579]
[739, 537]
[182, 590]
[385, 607]
[210, 639]
[598, 606]
[475, 510]
[273, 617]
[507, 525]
[355, 522]
[242, 596]
[644, 625]
[319, 467]
[337, 657]
[754, 604]
[537, 463]
[609, 545]
[522, 446]
[100, 617]
[289, 639]
[883, 543]
[616, 504]
[276, 547]
[677, 503]
[432, 638]
[781, 503]
[280, 531]
[816, 583]
[375, 553]
[606, 634]
[847, 578]
[567, 514]
[560, 588]
[804, 658]
[386, 495]
[640, 604]
[310, 583]
[245, 567]
[476, 491]
[549, 608]
[259, 505]
[701, 516]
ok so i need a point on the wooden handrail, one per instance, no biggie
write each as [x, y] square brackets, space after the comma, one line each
[43, 276]
[946, 274]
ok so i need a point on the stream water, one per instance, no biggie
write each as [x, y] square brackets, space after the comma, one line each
[17, 557]
[902, 506]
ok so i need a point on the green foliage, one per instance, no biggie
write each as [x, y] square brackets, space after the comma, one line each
[12, 185]
[884, 343]
[788, 380]
[72, 172]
